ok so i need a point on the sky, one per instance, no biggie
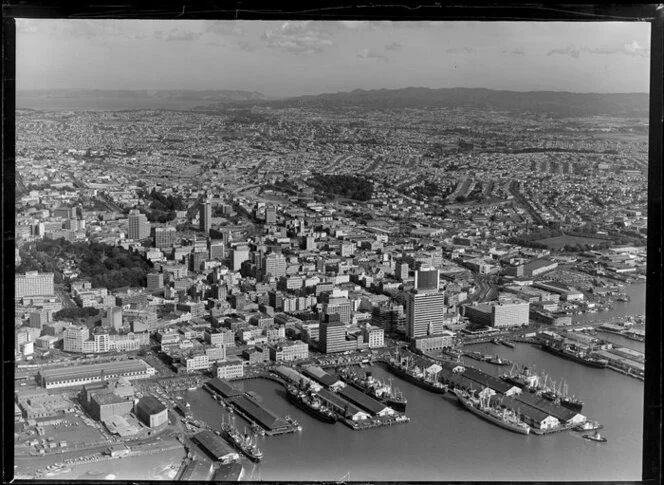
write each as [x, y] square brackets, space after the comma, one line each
[280, 58]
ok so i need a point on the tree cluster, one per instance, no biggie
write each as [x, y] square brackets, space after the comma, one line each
[347, 186]
[75, 313]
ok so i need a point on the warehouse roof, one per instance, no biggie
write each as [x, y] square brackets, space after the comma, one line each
[321, 376]
[548, 407]
[266, 418]
[486, 380]
[362, 400]
[339, 402]
[225, 388]
[151, 405]
[84, 370]
[213, 445]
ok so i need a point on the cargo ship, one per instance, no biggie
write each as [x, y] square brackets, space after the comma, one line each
[524, 379]
[311, 404]
[507, 343]
[242, 442]
[575, 354]
[418, 378]
[505, 419]
[385, 393]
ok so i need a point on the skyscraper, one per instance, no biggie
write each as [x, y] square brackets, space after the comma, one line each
[164, 237]
[275, 265]
[205, 216]
[139, 227]
[427, 279]
[424, 314]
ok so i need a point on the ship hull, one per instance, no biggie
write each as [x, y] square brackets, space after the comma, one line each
[309, 410]
[574, 406]
[414, 380]
[396, 404]
[598, 364]
[492, 419]
[228, 437]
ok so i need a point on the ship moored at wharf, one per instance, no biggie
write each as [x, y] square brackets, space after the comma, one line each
[541, 385]
[504, 418]
[242, 442]
[572, 352]
[310, 403]
[385, 393]
[415, 376]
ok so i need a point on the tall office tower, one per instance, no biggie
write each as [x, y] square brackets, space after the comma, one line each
[198, 256]
[270, 215]
[114, 317]
[310, 243]
[139, 227]
[427, 279]
[217, 249]
[240, 255]
[155, 281]
[332, 335]
[33, 283]
[275, 265]
[340, 306]
[402, 271]
[205, 216]
[424, 314]
[73, 338]
[164, 237]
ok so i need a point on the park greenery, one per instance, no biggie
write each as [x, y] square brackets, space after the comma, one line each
[347, 186]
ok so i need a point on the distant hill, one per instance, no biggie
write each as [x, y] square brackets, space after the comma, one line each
[119, 99]
[553, 102]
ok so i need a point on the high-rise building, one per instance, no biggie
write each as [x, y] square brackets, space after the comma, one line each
[340, 306]
[164, 237]
[205, 216]
[332, 336]
[240, 255]
[275, 265]
[139, 227]
[402, 271]
[74, 337]
[427, 279]
[33, 283]
[270, 215]
[217, 249]
[155, 281]
[424, 314]
[114, 317]
[197, 258]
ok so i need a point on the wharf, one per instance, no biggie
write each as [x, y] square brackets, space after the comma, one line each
[254, 412]
[374, 423]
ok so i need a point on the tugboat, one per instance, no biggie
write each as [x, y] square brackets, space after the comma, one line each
[588, 426]
[495, 360]
[243, 442]
[480, 407]
[311, 404]
[595, 437]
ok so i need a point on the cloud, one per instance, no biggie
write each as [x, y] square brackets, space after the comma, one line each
[571, 50]
[246, 46]
[394, 46]
[461, 50]
[297, 38]
[179, 35]
[225, 28]
[631, 48]
[369, 54]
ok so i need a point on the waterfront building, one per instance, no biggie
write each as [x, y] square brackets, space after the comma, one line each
[429, 343]
[294, 377]
[333, 336]
[205, 216]
[151, 412]
[215, 447]
[33, 283]
[164, 237]
[195, 363]
[374, 336]
[289, 351]
[74, 338]
[229, 369]
[138, 225]
[79, 375]
[424, 314]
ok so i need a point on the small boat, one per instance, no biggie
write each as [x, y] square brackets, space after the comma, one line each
[507, 343]
[588, 426]
[595, 437]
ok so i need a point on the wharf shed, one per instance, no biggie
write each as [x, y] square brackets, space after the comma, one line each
[151, 412]
[322, 377]
[485, 380]
[79, 375]
[343, 407]
[562, 414]
[291, 375]
[263, 416]
[365, 402]
[224, 388]
[215, 447]
[529, 414]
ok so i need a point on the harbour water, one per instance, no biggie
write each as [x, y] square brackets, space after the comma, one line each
[158, 467]
[445, 442]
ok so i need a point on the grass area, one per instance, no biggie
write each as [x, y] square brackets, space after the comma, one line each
[562, 241]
